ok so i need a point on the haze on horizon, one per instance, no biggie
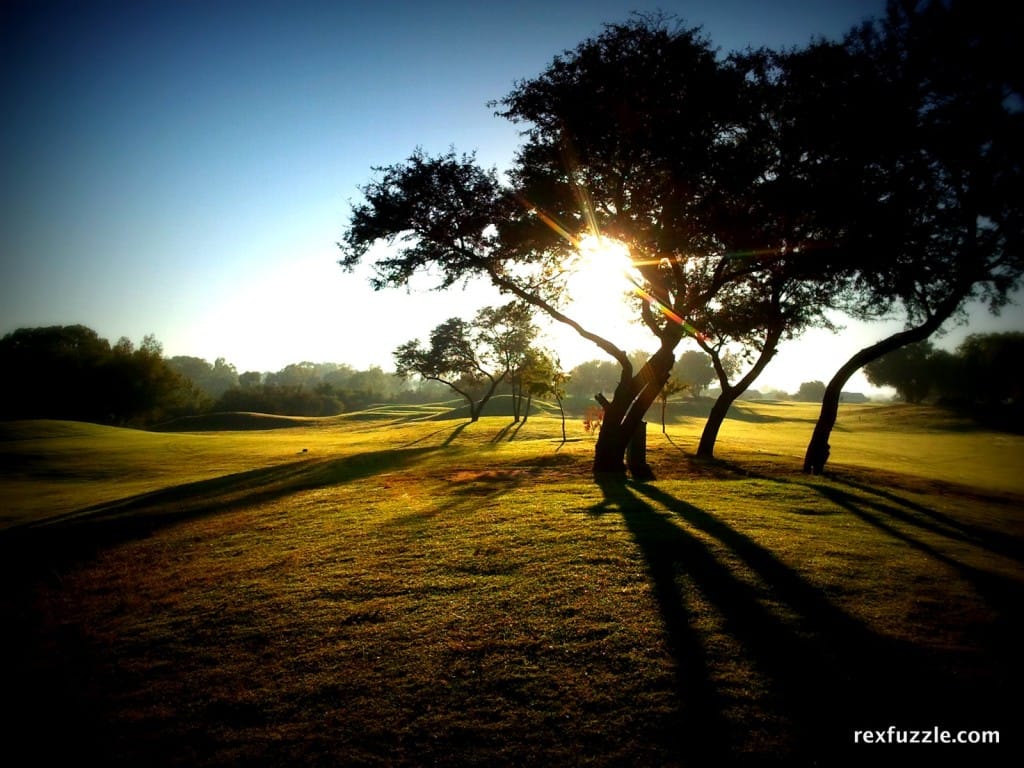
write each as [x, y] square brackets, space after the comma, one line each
[185, 169]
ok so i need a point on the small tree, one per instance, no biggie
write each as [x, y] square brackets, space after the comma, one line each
[672, 386]
[507, 333]
[543, 377]
[471, 358]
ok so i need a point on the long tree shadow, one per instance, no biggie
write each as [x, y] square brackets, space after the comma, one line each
[46, 543]
[825, 673]
[702, 719]
[901, 508]
[1003, 594]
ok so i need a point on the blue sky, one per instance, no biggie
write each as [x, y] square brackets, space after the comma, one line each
[186, 168]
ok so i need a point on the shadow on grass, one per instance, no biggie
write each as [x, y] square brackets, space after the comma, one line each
[1001, 593]
[447, 441]
[913, 513]
[509, 431]
[820, 673]
[79, 533]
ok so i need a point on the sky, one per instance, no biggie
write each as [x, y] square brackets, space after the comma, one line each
[185, 169]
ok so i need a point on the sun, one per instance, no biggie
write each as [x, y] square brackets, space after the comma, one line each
[600, 271]
[600, 277]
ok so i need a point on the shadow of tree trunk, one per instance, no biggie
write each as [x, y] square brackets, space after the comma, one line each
[817, 672]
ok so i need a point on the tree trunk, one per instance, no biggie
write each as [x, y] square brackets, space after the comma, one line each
[474, 412]
[562, 412]
[517, 399]
[818, 448]
[706, 447]
[636, 454]
[625, 413]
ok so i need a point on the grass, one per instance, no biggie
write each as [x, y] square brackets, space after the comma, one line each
[410, 591]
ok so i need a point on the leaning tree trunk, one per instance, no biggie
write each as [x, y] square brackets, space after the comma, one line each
[624, 415]
[818, 448]
[477, 409]
[706, 447]
[708, 438]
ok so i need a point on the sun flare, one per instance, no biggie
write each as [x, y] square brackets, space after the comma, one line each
[600, 270]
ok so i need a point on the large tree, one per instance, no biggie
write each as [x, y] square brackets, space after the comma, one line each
[931, 96]
[642, 135]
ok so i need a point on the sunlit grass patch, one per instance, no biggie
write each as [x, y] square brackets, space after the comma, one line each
[450, 593]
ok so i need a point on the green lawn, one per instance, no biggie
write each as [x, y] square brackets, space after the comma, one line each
[393, 588]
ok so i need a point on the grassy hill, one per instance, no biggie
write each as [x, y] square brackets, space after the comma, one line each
[391, 588]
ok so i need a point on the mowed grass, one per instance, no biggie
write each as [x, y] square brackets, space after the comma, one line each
[389, 588]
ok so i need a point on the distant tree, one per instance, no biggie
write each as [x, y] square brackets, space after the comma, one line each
[694, 369]
[590, 378]
[906, 369]
[53, 372]
[543, 377]
[991, 368]
[507, 332]
[810, 392]
[280, 399]
[211, 380]
[69, 372]
[470, 358]
[301, 375]
[250, 379]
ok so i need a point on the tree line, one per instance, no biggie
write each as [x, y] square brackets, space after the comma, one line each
[758, 194]
[983, 376]
[70, 372]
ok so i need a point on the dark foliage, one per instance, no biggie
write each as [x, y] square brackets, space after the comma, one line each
[69, 372]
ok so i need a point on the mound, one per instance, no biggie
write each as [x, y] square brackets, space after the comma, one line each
[231, 421]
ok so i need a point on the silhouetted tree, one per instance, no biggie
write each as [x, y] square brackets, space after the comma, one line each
[470, 358]
[908, 370]
[69, 372]
[641, 134]
[927, 127]
[994, 367]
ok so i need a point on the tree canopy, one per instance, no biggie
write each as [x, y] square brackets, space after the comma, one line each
[644, 135]
[755, 192]
[940, 166]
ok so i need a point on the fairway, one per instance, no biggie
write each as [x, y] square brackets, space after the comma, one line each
[391, 587]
